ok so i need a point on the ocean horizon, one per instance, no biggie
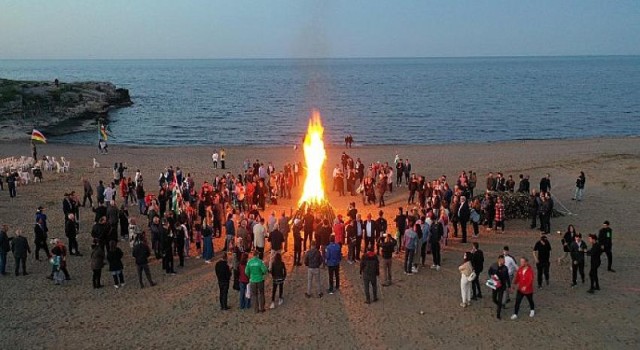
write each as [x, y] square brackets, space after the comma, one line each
[380, 101]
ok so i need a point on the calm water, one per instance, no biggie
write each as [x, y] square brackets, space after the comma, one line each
[379, 101]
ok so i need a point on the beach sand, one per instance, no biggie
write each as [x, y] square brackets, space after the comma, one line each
[182, 311]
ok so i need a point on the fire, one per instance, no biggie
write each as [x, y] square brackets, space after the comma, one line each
[315, 156]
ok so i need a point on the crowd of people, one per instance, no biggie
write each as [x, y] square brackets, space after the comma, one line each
[183, 219]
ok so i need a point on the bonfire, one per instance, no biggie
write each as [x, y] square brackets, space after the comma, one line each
[313, 193]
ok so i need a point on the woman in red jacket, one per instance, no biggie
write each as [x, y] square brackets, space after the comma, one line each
[524, 280]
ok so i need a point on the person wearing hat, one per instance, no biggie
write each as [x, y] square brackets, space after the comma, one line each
[594, 253]
[605, 239]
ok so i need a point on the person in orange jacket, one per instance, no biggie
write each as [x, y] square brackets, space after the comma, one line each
[524, 280]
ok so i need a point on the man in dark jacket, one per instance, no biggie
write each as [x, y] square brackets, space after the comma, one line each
[534, 207]
[277, 241]
[297, 242]
[477, 262]
[370, 270]
[388, 246]
[382, 226]
[20, 248]
[594, 253]
[463, 217]
[370, 232]
[223, 273]
[167, 248]
[350, 230]
[71, 231]
[40, 239]
[100, 232]
[333, 256]
[141, 253]
[436, 230]
[100, 192]
[605, 238]
[577, 249]
[313, 261]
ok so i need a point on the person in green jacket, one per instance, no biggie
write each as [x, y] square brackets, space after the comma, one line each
[256, 270]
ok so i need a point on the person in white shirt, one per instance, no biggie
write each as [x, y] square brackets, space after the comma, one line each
[512, 266]
[215, 157]
[109, 193]
[259, 234]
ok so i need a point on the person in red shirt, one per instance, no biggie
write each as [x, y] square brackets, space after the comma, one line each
[339, 230]
[524, 280]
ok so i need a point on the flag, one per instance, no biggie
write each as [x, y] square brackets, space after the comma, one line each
[103, 132]
[38, 136]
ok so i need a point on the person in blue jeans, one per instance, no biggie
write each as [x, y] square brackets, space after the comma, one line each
[333, 256]
[245, 303]
[410, 244]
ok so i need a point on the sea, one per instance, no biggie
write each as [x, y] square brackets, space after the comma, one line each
[377, 101]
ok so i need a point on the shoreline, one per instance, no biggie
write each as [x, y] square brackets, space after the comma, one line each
[4, 142]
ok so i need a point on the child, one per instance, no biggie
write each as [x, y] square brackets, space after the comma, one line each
[114, 256]
[58, 275]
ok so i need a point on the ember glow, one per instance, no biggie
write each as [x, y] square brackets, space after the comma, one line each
[315, 156]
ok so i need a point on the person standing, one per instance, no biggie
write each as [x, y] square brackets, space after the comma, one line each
[401, 227]
[88, 192]
[223, 273]
[578, 249]
[466, 276]
[477, 262]
[259, 235]
[410, 245]
[278, 276]
[333, 256]
[141, 252]
[256, 270]
[500, 275]
[545, 184]
[276, 238]
[223, 157]
[464, 213]
[313, 261]
[435, 236]
[524, 280]
[580, 181]
[388, 247]
[297, 243]
[20, 248]
[40, 239]
[11, 184]
[370, 270]
[168, 241]
[370, 232]
[97, 262]
[542, 255]
[60, 253]
[5, 247]
[595, 252]
[214, 158]
[284, 227]
[605, 238]
[71, 231]
[114, 257]
[243, 280]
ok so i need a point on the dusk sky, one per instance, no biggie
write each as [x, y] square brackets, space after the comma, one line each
[303, 28]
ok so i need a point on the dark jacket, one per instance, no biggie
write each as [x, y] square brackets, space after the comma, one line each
[71, 229]
[464, 212]
[388, 247]
[577, 251]
[278, 271]
[502, 272]
[351, 232]
[277, 239]
[40, 234]
[223, 272]
[370, 266]
[100, 211]
[595, 253]
[4, 242]
[381, 225]
[605, 237]
[477, 261]
[115, 259]
[20, 247]
[313, 259]
[141, 252]
[297, 239]
[97, 258]
[435, 232]
[100, 232]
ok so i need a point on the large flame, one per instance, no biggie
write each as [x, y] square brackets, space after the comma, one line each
[314, 155]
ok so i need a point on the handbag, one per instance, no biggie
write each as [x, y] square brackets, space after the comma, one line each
[472, 276]
[247, 294]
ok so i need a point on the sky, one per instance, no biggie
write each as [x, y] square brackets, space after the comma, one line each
[137, 29]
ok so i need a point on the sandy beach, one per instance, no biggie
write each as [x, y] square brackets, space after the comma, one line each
[182, 311]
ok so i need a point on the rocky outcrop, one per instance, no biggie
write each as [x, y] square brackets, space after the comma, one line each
[55, 107]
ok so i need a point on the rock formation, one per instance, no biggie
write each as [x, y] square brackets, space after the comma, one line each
[55, 107]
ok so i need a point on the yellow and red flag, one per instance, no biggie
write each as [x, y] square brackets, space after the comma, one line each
[38, 136]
